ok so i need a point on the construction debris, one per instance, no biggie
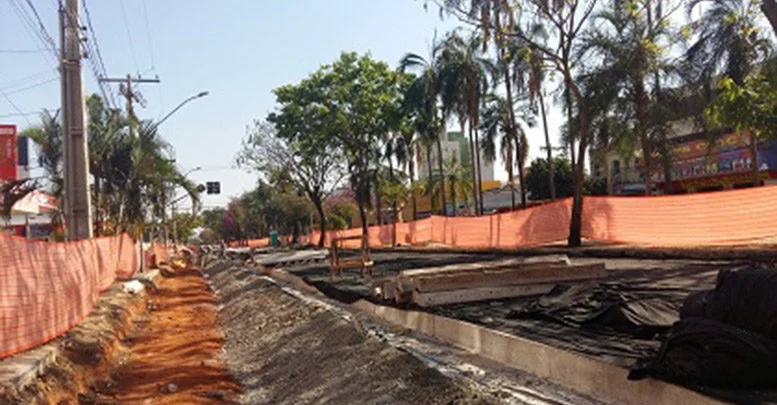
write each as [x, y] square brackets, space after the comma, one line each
[481, 281]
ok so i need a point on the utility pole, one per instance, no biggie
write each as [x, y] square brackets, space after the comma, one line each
[130, 94]
[78, 209]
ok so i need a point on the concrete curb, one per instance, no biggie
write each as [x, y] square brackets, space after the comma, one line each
[582, 374]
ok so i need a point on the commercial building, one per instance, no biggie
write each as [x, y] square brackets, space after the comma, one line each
[701, 161]
[30, 216]
[457, 145]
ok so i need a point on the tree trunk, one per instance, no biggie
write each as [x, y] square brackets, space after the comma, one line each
[475, 170]
[378, 205]
[360, 195]
[393, 207]
[480, 173]
[510, 175]
[453, 203]
[472, 165]
[551, 170]
[411, 172]
[430, 179]
[568, 95]
[754, 153]
[576, 221]
[97, 217]
[321, 217]
[514, 135]
[769, 8]
[442, 172]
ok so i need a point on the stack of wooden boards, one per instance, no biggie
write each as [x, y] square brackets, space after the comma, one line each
[481, 281]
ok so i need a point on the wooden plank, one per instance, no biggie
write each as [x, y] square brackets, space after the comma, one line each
[549, 260]
[521, 276]
[431, 299]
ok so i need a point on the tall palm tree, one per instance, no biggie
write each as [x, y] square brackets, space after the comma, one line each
[465, 73]
[498, 134]
[459, 179]
[629, 46]
[407, 146]
[726, 39]
[423, 95]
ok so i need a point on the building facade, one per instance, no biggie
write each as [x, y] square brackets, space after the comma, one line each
[457, 145]
[700, 162]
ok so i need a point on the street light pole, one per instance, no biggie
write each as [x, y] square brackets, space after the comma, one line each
[178, 107]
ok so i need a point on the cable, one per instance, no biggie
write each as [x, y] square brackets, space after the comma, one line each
[43, 30]
[23, 80]
[22, 51]
[129, 34]
[23, 114]
[16, 107]
[29, 26]
[148, 32]
[32, 86]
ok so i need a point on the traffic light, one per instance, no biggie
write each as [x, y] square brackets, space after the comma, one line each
[213, 187]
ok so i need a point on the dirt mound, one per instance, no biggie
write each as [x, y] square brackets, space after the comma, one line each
[286, 351]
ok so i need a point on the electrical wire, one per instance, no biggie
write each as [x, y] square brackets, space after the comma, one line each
[29, 26]
[18, 110]
[32, 86]
[129, 34]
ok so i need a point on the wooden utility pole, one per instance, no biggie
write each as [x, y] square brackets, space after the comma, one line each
[78, 210]
[130, 94]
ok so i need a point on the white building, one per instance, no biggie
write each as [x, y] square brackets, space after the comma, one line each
[456, 145]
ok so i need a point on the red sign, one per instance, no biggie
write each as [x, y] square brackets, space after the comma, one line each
[8, 169]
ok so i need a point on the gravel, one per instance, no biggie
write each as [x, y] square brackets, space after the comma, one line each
[287, 351]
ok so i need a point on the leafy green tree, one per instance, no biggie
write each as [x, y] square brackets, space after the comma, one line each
[631, 43]
[312, 161]
[185, 224]
[537, 179]
[357, 94]
[748, 109]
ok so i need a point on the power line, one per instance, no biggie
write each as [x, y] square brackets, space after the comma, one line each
[22, 80]
[22, 51]
[32, 86]
[29, 26]
[93, 54]
[16, 107]
[148, 32]
[129, 35]
[22, 114]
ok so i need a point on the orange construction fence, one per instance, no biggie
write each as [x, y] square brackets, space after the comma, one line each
[727, 217]
[47, 288]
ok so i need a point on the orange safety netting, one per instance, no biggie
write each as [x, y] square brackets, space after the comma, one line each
[47, 288]
[730, 217]
[726, 217]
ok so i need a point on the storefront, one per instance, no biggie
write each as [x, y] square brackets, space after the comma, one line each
[700, 166]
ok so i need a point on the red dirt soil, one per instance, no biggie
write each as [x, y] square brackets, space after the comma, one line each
[179, 343]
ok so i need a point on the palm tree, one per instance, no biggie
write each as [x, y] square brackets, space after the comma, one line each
[629, 44]
[49, 140]
[465, 75]
[458, 177]
[727, 39]
[406, 150]
[496, 126]
[424, 97]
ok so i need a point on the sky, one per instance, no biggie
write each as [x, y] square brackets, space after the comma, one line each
[237, 50]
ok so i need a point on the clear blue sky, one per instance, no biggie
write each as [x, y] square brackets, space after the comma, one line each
[238, 50]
